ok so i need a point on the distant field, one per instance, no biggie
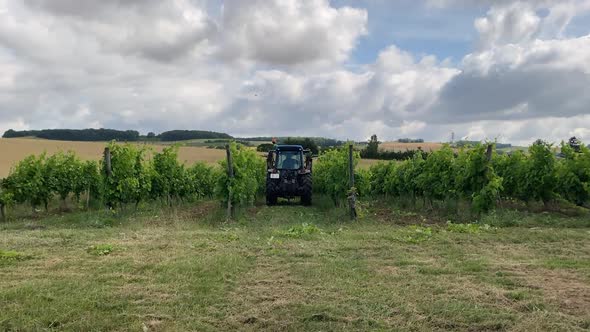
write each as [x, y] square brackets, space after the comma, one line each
[396, 146]
[209, 142]
[12, 150]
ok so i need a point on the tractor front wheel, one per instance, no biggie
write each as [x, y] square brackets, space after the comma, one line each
[271, 197]
[307, 187]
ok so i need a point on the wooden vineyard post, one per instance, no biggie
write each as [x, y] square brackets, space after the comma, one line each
[108, 171]
[489, 152]
[352, 193]
[107, 161]
[230, 173]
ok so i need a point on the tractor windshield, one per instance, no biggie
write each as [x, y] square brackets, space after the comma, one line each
[289, 160]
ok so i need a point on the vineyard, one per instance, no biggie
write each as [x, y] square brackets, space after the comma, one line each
[476, 176]
[447, 240]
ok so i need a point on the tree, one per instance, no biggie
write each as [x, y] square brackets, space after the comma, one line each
[306, 142]
[372, 149]
[265, 147]
[151, 134]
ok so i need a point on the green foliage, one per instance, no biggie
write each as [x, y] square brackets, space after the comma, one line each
[6, 196]
[511, 168]
[249, 176]
[87, 135]
[90, 180]
[404, 178]
[182, 135]
[301, 230]
[469, 174]
[133, 179]
[169, 177]
[64, 173]
[416, 234]
[540, 178]
[203, 179]
[573, 174]
[265, 147]
[29, 181]
[100, 249]
[331, 175]
[378, 175]
[362, 181]
[131, 176]
[438, 178]
[306, 142]
[441, 175]
[11, 256]
[372, 149]
[477, 180]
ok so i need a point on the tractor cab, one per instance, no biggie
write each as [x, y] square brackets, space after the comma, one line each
[289, 158]
[288, 174]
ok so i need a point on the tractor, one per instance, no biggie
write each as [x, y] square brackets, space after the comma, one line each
[288, 174]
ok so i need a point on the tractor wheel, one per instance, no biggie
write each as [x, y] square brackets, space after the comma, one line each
[307, 190]
[271, 197]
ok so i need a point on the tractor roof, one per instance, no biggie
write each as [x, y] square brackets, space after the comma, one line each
[284, 147]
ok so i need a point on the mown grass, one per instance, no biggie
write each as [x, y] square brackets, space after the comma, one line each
[293, 268]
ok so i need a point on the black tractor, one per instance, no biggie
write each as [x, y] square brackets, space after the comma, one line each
[288, 174]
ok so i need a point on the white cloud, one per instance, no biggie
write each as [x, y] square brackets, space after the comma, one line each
[290, 32]
[512, 24]
[287, 68]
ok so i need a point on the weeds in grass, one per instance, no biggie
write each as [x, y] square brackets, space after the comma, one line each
[100, 249]
[11, 256]
[229, 235]
[417, 234]
[468, 228]
[301, 230]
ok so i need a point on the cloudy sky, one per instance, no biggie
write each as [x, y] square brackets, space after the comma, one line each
[483, 69]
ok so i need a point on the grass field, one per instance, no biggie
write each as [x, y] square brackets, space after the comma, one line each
[186, 269]
[16, 149]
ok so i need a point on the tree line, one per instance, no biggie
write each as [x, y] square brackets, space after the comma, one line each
[96, 135]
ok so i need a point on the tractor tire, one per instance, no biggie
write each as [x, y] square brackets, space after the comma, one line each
[271, 197]
[307, 190]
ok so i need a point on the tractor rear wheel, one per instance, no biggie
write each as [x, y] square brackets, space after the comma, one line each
[271, 197]
[307, 187]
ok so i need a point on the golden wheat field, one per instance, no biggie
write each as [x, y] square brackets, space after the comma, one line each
[396, 146]
[12, 150]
